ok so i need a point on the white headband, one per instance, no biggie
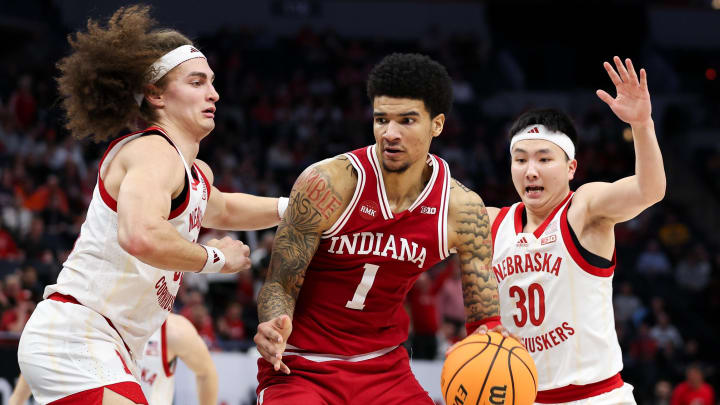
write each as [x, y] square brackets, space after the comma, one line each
[541, 132]
[166, 63]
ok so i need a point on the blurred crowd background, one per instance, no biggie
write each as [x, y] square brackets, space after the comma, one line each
[293, 92]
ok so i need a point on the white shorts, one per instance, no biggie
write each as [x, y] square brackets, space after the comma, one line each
[67, 348]
[619, 396]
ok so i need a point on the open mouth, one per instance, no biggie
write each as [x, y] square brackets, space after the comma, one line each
[209, 112]
[534, 191]
[392, 151]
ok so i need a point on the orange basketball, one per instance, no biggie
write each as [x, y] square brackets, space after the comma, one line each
[489, 369]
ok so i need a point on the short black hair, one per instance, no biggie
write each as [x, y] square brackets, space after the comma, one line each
[415, 76]
[552, 119]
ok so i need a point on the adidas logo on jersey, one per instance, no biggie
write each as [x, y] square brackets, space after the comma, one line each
[522, 242]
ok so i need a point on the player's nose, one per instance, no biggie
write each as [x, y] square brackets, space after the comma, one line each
[392, 133]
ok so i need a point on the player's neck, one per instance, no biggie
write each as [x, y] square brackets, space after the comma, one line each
[188, 145]
[403, 188]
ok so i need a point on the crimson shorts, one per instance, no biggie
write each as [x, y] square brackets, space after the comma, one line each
[386, 380]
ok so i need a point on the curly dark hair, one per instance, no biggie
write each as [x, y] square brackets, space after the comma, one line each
[552, 119]
[415, 76]
[106, 67]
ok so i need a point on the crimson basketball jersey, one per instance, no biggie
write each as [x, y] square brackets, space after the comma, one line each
[351, 301]
[560, 304]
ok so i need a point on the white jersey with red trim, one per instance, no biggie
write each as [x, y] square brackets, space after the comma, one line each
[555, 300]
[134, 296]
[157, 378]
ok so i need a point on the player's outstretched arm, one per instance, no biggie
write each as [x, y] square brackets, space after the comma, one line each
[144, 175]
[627, 197]
[317, 199]
[237, 211]
[184, 342]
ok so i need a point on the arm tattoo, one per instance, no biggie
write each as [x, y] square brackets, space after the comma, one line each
[348, 166]
[312, 201]
[475, 252]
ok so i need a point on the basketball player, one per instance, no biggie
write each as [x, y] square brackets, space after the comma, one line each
[554, 252]
[361, 227]
[176, 338]
[152, 197]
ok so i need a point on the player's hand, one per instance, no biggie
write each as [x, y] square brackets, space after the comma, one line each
[483, 329]
[271, 339]
[632, 102]
[237, 254]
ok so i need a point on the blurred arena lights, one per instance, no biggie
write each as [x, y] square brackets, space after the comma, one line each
[711, 73]
[627, 134]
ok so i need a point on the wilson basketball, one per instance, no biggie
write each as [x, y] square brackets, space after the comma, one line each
[489, 369]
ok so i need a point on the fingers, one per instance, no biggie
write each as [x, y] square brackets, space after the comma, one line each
[621, 69]
[606, 97]
[613, 75]
[631, 70]
[643, 79]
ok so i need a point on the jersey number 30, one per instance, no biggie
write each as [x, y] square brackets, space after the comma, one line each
[361, 292]
[531, 305]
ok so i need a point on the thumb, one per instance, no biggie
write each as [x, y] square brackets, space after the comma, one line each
[282, 321]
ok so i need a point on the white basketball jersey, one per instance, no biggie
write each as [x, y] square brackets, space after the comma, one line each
[157, 372]
[99, 274]
[555, 300]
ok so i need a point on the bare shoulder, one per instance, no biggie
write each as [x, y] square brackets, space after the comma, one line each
[467, 216]
[325, 189]
[206, 170]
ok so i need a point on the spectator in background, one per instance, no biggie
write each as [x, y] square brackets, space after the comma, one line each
[694, 390]
[8, 247]
[652, 261]
[231, 329]
[22, 103]
[693, 271]
[626, 303]
[422, 299]
[664, 332]
[662, 393]
[674, 234]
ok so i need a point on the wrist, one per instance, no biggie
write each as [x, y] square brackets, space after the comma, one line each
[639, 125]
[282, 205]
[490, 322]
[215, 260]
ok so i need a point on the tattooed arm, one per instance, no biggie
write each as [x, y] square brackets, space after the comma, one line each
[317, 199]
[470, 236]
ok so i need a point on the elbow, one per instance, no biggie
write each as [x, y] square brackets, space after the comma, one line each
[135, 242]
[659, 192]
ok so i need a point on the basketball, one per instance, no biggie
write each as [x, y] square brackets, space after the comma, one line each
[489, 369]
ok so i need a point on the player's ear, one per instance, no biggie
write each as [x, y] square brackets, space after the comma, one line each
[572, 167]
[437, 124]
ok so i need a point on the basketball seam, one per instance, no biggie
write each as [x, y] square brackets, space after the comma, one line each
[487, 344]
[487, 375]
[512, 379]
[525, 364]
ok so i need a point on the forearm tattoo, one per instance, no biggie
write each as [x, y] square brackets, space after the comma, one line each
[475, 252]
[312, 201]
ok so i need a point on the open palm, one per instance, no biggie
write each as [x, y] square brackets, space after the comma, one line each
[632, 103]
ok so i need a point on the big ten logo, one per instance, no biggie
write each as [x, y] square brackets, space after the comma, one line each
[428, 210]
[497, 394]
[460, 396]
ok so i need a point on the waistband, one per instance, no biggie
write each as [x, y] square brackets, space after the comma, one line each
[70, 299]
[319, 358]
[578, 392]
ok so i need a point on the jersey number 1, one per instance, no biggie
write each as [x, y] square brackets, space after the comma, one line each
[361, 292]
[531, 305]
